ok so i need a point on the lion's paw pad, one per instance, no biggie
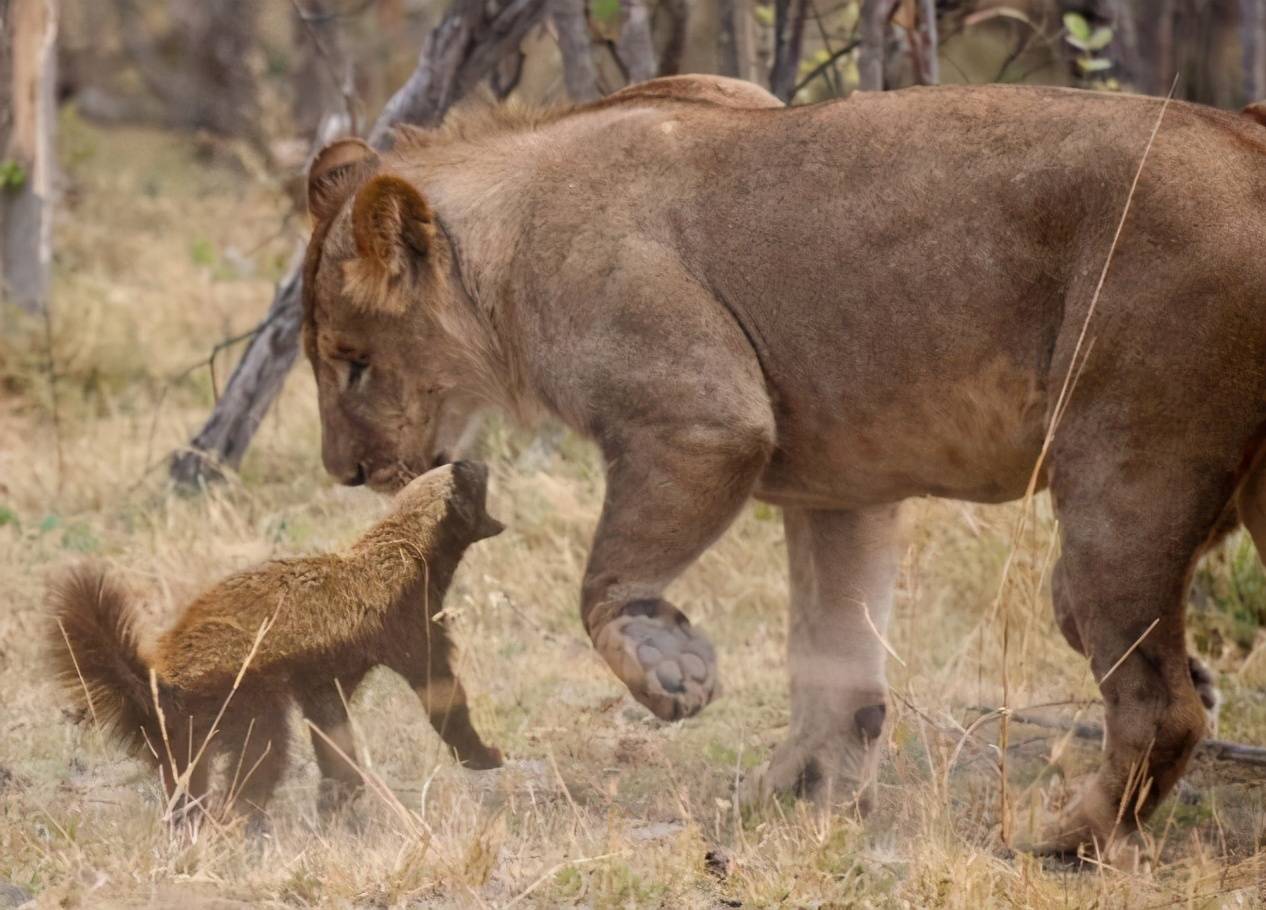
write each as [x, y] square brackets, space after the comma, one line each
[667, 665]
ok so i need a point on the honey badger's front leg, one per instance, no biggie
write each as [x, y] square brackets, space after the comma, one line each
[671, 491]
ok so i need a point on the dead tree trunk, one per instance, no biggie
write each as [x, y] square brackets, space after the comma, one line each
[874, 37]
[28, 83]
[1146, 43]
[579, 73]
[1253, 38]
[634, 46]
[728, 37]
[789, 16]
[927, 66]
[460, 52]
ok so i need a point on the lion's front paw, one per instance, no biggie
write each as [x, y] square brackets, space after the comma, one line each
[667, 665]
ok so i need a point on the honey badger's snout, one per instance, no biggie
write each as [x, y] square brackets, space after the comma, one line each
[471, 479]
[465, 485]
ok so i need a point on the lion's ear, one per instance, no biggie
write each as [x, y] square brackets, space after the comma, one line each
[335, 173]
[391, 224]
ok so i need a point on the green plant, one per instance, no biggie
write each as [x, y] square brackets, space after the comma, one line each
[1089, 42]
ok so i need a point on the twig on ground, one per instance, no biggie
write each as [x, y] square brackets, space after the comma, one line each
[52, 392]
[1216, 749]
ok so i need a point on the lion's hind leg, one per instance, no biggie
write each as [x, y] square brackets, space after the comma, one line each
[1128, 545]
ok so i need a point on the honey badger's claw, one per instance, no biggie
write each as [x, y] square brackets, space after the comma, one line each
[667, 665]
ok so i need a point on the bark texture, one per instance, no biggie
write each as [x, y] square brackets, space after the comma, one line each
[28, 111]
[635, 47]
[874, 37]
[1253, 38]
[789, 16]
[579, 73]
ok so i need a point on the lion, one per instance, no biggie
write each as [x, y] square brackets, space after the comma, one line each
[832, 309]
[303, 630]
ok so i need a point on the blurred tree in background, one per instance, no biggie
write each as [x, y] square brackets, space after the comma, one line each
[28, 35]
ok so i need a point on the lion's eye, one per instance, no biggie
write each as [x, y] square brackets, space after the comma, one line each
[356, 371]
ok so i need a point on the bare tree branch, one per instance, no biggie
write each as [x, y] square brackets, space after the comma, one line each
[789, 16]
[505, 76]
[1215, 749]
[826, 65]
[579, 73]
[458, 53]
[634, 47]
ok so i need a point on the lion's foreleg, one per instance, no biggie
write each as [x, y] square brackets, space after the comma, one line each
[671, 491]
[843, 566]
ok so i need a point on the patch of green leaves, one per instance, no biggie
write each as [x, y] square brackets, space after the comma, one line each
[1231, 586]
[606, 12]
[12, 175]
[1088, 41]
[1084, 37]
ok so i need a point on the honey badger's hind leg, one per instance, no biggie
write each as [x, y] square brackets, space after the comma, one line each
[256, 740]
[324, 702]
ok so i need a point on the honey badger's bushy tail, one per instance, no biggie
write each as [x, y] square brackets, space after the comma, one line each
[96, 655]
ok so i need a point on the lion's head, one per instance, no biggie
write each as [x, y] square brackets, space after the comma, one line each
[377, 282]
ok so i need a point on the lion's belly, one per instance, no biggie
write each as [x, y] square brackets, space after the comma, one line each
[976, 438]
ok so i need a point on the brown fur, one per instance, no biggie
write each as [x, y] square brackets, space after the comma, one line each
[834, 308]
[327, 620]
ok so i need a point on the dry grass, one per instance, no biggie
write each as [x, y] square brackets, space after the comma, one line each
[163, 252]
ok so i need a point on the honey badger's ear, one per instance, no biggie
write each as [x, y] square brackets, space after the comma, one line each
[391, 224]
[335, 173]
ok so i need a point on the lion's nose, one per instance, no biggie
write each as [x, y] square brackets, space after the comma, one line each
[357, 479]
